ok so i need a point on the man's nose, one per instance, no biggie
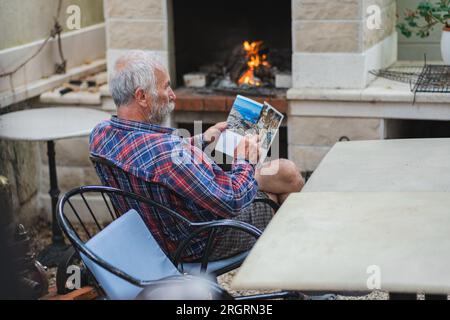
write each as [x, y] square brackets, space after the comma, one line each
[172, 95]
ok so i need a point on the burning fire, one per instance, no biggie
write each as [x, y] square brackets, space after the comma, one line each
[254, 61]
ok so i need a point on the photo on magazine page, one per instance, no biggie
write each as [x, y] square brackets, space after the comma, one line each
[250, 117]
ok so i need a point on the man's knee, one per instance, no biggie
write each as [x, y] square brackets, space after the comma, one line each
[290, 173]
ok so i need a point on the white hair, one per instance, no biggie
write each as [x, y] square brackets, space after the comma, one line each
[134, 70]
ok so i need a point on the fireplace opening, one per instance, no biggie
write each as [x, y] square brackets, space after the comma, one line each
[234, 46]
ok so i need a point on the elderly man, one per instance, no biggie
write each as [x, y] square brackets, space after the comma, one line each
[136, 142]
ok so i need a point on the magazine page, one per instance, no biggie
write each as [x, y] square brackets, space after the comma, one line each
[250, 117]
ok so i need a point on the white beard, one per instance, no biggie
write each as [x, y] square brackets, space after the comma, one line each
[160, 113]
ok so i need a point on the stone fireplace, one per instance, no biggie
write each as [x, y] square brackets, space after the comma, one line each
[331, 45]
[330, 42]
[207, 32]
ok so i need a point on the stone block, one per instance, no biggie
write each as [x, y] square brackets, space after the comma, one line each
[307, 158]
[150, 9]
[283, 80]
[333, 71]
[326, 131]
[195, 80]
[320, 37]
[28, 211]
[19, 161]
[137, 34]
[26, 169]
[325, 9]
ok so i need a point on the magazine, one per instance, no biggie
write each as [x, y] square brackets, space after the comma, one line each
[250, 117]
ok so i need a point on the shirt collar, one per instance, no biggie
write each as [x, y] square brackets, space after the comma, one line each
[140, 126]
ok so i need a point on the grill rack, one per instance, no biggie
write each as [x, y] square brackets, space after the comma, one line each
[429, 78]
[433, 78]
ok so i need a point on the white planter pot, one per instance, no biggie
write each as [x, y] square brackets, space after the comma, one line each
[445, 45]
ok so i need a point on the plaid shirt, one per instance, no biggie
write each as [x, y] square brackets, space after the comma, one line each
[175, 172]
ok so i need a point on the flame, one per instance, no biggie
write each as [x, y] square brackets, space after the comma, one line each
[254, 61]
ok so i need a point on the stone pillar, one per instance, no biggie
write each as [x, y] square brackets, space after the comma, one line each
[337, 43]
[139, 24]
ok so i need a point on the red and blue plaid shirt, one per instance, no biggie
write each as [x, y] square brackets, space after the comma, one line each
[156, 157]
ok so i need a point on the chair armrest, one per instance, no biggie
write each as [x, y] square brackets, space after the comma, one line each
[275, 206]
[212, 228]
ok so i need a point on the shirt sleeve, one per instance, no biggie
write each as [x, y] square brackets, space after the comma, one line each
[192, 174]
[197, 141]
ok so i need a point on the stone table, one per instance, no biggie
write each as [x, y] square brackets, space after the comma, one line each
[368, 182]
[386, 165]
[354, 241]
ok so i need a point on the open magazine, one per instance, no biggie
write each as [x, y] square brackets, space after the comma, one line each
[250, 117]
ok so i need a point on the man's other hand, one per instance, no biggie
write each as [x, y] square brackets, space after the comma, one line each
[248, 148]
[213, 133]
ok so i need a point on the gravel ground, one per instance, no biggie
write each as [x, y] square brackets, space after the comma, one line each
[226, 279]
[40, 235]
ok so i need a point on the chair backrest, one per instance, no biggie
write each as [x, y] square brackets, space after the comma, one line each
[160, 224]
[104, 237]
[127, 244]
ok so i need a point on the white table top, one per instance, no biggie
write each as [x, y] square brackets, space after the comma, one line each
[387, 165]
[327, 241]
[44, 124]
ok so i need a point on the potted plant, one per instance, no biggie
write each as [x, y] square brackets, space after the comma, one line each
[424, 18]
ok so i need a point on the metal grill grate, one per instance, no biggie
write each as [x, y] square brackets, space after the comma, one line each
[406, 74]
[433, 78]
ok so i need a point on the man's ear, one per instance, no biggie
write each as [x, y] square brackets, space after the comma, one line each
[140, 97]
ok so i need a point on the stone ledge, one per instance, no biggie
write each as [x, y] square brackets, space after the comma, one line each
[36, 88]
[72, 98]
[364, 109]
[380, 90]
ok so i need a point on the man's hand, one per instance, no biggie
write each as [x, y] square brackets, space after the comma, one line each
[249, 149]
[213, 133]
